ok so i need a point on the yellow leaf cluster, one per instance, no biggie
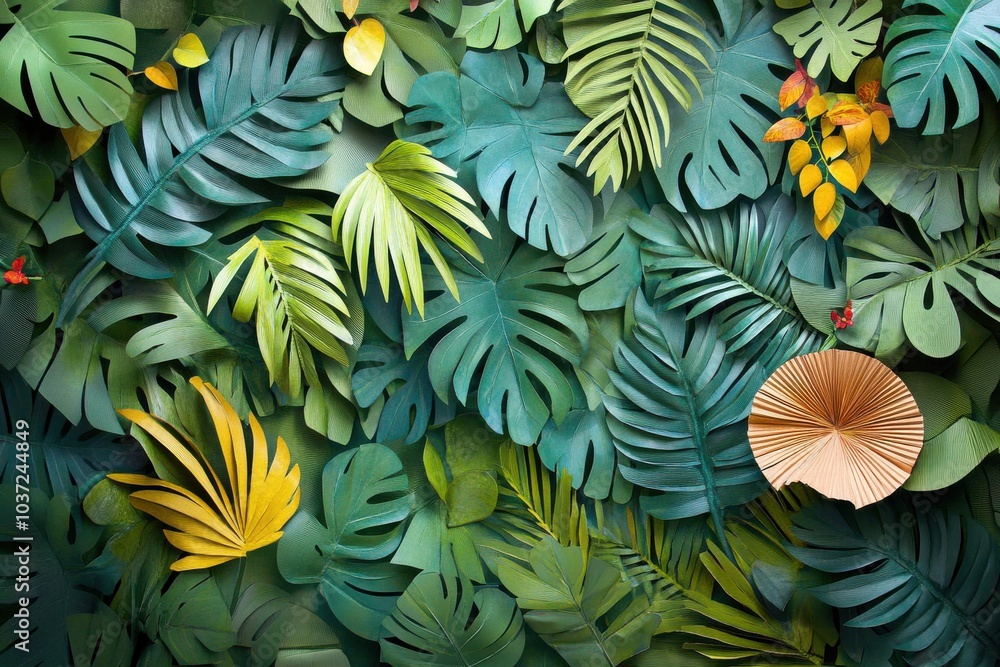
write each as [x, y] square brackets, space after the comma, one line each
[842, 154]
[212, 521]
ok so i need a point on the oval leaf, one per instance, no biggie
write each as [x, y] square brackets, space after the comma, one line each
[79, 139]
[799, 156]
[163, 75]
[785, 129]
[809, 179]
[363, 45]
[190, 52]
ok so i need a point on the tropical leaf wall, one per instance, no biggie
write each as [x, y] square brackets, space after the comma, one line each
[500, 332]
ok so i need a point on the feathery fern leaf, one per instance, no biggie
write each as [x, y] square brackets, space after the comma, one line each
[623, 56]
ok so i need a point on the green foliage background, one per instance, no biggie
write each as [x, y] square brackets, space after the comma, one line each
[527, 444]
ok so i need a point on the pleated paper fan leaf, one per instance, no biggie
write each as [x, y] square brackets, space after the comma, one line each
[838, 421]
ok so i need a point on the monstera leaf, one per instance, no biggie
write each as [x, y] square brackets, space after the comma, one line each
[687, 438]
[192, 620]
[566, 593]
[729, 265]
[901, 292]
[514, 130]
[939, 187]
[835, 32]
[444, 620]
[74, 63]
[717, 152]
[259, 119]
[623, 56]
[365, 499]
[939, 53]
[63, 455]
[926, 579]
[494, 23]
[514, 319]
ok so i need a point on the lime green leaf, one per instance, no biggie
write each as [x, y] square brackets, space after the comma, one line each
[75, 62]
[471, 497]
[835, 32]
[943, 45]
[434, 469]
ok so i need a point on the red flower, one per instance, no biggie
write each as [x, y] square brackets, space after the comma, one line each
[845, 320]
[15, 276]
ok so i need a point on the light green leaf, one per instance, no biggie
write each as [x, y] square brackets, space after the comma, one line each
[494, 24]
[75, 63]
[471, 497]
[836, 32]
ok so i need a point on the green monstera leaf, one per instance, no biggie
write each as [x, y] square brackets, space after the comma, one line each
[192, 620]
[717, 152]
[494, 23]
[259, 118]
[445, 621]
[926, 578]
[940, 183]
[75, 63]
[514, 131]
[687, 438]
[939, 52]
[366, 497]
[903, 294]
[580, 605]
[515, 317]
[835, 32]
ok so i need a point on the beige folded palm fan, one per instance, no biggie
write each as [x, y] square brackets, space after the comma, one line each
[839, 421]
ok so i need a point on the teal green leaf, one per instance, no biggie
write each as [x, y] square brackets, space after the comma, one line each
[514, 319]
[727, 263]
[192, 620]
[836, 32]
[903, 293]
[625, 60]
[259, 118]
[494, 24]
[397, 207]
[566, 595]
[680, 427]
[922, 576]
[294, 290]
[514, 130]
[944, 45]
[717, 152]
[445, 621]
[74, 62]
[582, 446]
[937, 185]
[28, 187]
[365, 500]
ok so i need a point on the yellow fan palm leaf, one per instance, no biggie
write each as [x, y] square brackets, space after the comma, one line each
[217, 522]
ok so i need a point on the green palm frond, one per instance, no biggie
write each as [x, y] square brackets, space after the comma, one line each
[294, 286]
[623, 56]
[391, 210]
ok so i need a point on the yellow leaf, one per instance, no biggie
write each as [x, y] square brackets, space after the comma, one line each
[350, 6]
[833, 147]
[363, 45]
[79, 140]
[858, 136]
[823, 200]
[163, 75]
[815, 106]
[880, 125]
[829, 223]
[826, 126]
[868, 71]
[190, 52]
[861, 162]
[809, 179]
[846, 113]
[217, 522]
[799, 156]
[785, 129]
[844, 173]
